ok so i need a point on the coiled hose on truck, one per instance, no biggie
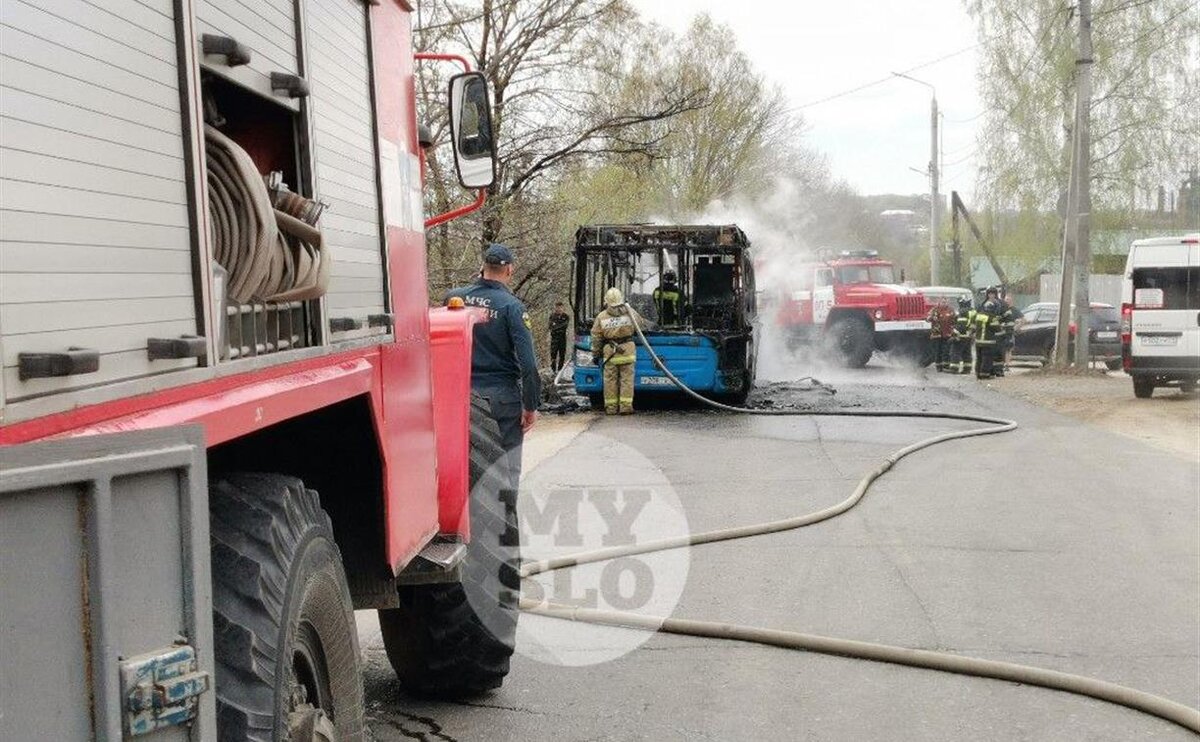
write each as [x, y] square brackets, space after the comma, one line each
[270, 255]
[1185, 716]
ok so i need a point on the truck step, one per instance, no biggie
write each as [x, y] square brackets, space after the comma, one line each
[439, 561]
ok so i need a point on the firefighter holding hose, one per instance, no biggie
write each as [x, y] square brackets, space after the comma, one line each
[614, 349]
[666, 299]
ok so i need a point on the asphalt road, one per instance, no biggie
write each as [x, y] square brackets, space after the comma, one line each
[1058, 545]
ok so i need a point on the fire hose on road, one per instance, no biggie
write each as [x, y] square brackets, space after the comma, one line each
[1180, 714]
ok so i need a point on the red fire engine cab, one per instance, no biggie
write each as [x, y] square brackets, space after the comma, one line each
[228, 415]
[848, 305]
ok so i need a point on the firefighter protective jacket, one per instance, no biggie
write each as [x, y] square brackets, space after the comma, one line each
[941, 321]
[962, 324]
[666, 301]
[985, 327]
[1008, 320]
[612, 334]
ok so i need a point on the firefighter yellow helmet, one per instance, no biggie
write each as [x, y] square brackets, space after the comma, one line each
[613, 297]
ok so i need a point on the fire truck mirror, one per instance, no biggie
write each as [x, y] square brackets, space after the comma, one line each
[471, 130]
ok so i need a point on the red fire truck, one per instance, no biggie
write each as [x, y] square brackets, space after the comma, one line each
[849, 304]
[228, 414]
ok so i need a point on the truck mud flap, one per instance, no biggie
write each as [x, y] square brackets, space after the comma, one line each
[105, 596]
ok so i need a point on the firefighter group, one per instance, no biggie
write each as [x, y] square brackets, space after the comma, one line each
[978, 339]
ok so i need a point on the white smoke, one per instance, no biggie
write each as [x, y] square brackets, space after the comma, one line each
[777, 226]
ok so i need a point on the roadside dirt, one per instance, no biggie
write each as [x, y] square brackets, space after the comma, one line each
[1169, 420]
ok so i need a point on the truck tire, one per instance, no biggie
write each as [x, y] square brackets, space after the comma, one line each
[286, 642]
[848, 342]
[1143, 387]
[455, 640]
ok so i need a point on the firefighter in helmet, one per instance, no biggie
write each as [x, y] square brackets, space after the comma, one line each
[614, 349]
[960, 339]
[988, 333]
[666, 299]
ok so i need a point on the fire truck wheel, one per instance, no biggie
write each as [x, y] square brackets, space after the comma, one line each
[455, 640]
[286, 643]
[848, 342]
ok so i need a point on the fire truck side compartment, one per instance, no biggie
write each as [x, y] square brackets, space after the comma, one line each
[344, 159]
[107, 626]
[94, 194]
[266, 28]
[102, 204]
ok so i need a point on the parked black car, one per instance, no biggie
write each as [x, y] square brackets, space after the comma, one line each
[1034, 337]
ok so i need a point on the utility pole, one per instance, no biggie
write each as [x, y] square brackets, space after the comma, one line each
[956, 240]
[935, 215]
[1077, 248]
[1083, 185]
[934, 164]
[1062, 336]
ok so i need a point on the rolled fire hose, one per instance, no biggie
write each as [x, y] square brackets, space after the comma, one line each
[270, 255]
[1185, 716]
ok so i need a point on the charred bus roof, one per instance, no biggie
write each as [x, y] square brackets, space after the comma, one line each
[626, 236]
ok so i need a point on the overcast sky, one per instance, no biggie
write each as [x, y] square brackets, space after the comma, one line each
[819, 49]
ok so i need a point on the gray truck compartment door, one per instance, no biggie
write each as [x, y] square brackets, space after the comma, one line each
[105, 590]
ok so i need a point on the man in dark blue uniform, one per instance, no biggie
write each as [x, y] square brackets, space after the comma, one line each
[503, 365]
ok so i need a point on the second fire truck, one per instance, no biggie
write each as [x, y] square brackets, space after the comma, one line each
[848, 305]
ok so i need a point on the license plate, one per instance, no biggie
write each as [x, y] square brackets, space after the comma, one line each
[1106, 336]
[655, 381]
[1159, 340]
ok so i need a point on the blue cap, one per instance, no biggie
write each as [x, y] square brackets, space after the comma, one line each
[497, 254]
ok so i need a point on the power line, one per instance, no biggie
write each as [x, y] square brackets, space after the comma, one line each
[967, 120]
[881, 80]
[961, 160]
[956, 152]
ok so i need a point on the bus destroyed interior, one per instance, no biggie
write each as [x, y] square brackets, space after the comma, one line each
[694, 287]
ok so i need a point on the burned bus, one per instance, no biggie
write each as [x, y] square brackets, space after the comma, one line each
[695, 287]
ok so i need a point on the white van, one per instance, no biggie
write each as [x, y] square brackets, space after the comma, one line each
[1160, 314]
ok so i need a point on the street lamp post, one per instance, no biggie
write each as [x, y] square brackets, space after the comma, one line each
[934, 173]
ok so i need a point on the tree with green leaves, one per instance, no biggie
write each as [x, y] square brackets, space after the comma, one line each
[541, 59]
[1145, 111]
